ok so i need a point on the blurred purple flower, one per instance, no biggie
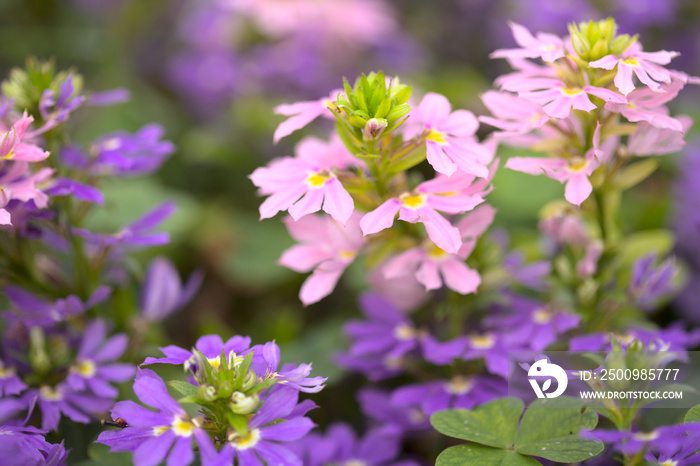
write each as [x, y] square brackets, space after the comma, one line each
[377, 405]
[672, 338]
[64, 400]
[163, 293]
[69, 187]
[56, 107]
[94, 367]
[10, 383]
[210, 346]
[22, 446]
[153, 436]
[650, 283]
[666, 438]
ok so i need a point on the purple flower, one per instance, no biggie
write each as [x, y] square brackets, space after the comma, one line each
[94, 368]
[387, 332]
[210, 346]
[458, 392]
[650, 283]
[122, 153]
[295, 377]
[163, 293]
[69, 187]
[10, 383]
[64, 400]
[137, 234]
[672, 338]
[265, 442]
[532, 324]
[377, 405]
[34, 311]
[55, 108]
[666, 438]
[340, 445]
[22, 446]
[153, 436]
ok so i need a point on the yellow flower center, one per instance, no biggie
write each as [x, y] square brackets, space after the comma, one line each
[182, 428]
[404, 332]
[317, 180]
[215, 362]
[244, 443]
[111, 144]
[347, 255]
[6, 373]
[393, 362]
[571, 92]
[624, 338]
[436, 136]
[541, 316]
[49, 393]
[669, 463]
[482, 341]
[459, 385]
[159, 430]
[85, 368]
[413, 202]
[578, 164]
[9, 155]
[646, 437]
[355, 463]
[435, 252]
[631, 61]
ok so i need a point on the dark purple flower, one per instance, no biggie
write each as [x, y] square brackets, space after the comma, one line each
[153, 436]
[94, 368]
[266, 439]
[69, 187]
[34, 311]
[22, 446]
[55, 108]
[163, 293]
[340, 445]
[666, 438]
[531, 324]
[64, 400]
[10, 384]
[387, 335]
[377, 405]
[210, 346]
[650, 283]
[137, 234]
[459, 392]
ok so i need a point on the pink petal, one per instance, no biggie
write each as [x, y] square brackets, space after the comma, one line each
[454, 204]
[460, 123]
[439, 159]
[578, 188]
[29, 152]
[522, 36]
[281, 201]
[434, 109]
[337, 202]
[475, 223]
[303, 257]
[606, 94]
[380, 218]
[459, 277]
[319, 285]
[535, 165]
[623, 79]
[582, 102]
[310, 203]
[403, 264]
[560, 107]
[307, 229]
[608, 62]
[306, 113]
[440, 231]
[428, 275]
[646, 79]
[5, 217]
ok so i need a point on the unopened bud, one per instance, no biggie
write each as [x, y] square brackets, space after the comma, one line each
[244, 404]
[249, 381]
[373, 129]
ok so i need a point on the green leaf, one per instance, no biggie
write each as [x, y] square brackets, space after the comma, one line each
[634, 174]
[551, 431]
[185, 388]
[693, 414]
[492, 424]
[483, 456]
[239, 422]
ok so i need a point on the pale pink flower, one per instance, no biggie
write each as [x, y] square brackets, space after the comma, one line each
[13, 148]
[455, 195]
[557, 100]
[451, 141]
[651, 140]
[432, 266]
[573, 171]
[647, 105]
[303, 183]
[513, 115]
[645, 65]
[548, 47]
[326, 247]
[17, 182]
[588, 265]
[301, 114]
[525, 71]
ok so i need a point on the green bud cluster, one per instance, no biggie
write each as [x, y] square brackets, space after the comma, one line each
[25, 86]
[596, 39]
[228, 390]
[370, 109]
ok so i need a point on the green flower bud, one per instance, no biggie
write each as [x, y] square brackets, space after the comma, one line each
[249, 381]
[244, 404]
[373, 129]
[38, 356]
[207, 392]
[595, 39]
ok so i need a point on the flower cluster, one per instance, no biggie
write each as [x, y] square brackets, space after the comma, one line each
[248, 407]
[360, 178]
[64, 353]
